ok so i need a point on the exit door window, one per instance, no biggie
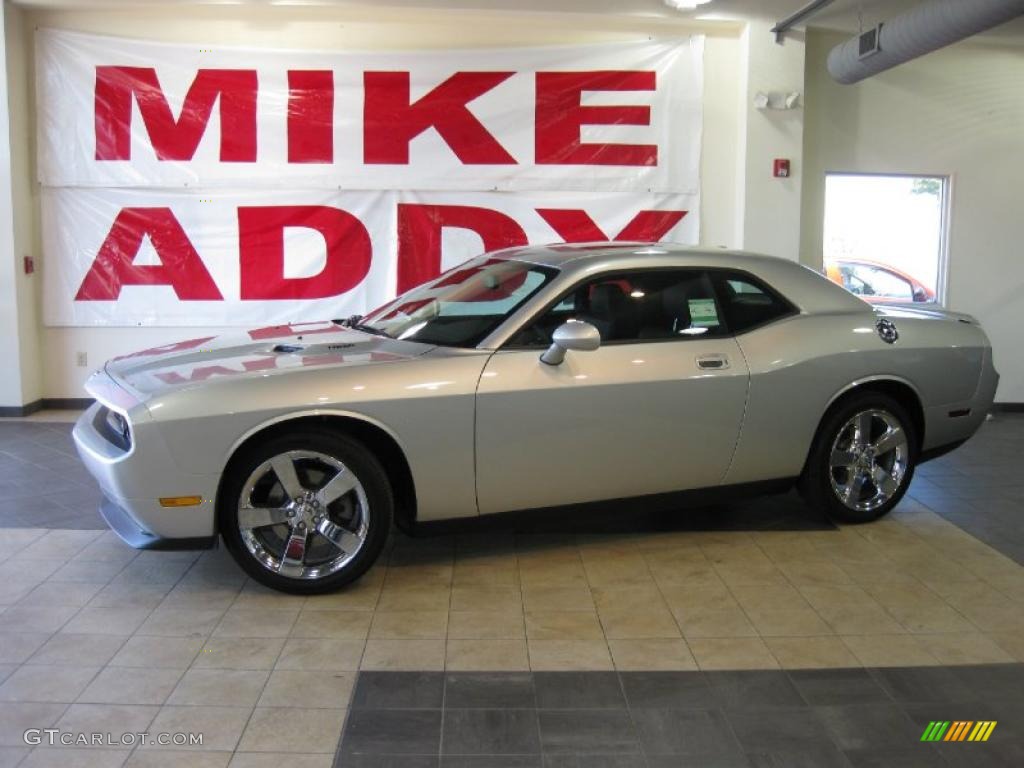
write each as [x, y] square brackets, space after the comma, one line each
[885, 236]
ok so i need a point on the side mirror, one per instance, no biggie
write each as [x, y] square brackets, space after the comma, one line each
[575, 334]
[920, 295]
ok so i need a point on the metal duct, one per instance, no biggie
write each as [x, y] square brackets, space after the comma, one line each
[924, 29]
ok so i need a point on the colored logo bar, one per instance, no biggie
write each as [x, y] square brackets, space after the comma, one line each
[958, 730]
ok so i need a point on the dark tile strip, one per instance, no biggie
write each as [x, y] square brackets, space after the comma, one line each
[842, 717]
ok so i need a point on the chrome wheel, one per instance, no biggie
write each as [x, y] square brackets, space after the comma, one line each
[869, 459]
[303, 515]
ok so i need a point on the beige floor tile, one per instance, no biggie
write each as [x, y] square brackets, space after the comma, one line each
[154, 758]
[651, 655]
[769, 597]
[889, 650]
[414, 598]
[496, 625]
[121, 595]
[157, 652]
[16, 718]
[256, 622]
[932, 618]
[255, 596]
[500, 574]
[181, 622]
[1011, 642]
[79, 757]
[325, 654]
[15, 588]
[239, 653]
[559, 655]
[31, 683]
[715, 622]
[617, 570]
[35, 618]
[418, 655]
[486, 655]
[308, 730]
[277, 759]
[56, 593]
[339, 625]
[219, 687]
[853, 618]
[59, 544]
[361, 595]
[552, 571]
[397, 625]
[628, 597]
[307, 688]
[116, 685]
[814, 571]
[639, 623]
[200, 595]
[78, 650]
[563, 625]
[742, 573]
[433, 574]
[681, 598]
[102, 620]
[486, 598]
[788, 622]
[965, 648]
[115, 719]
[545, 597]
[732, 653]
[88, 573]
[221, 727]
[17, 647]
[811, 652]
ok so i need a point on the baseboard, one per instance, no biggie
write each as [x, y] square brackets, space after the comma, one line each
[45, 404]
[1008, 407]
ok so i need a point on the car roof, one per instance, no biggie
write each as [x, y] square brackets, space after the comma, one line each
[806, 288]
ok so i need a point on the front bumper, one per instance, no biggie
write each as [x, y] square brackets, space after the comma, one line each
[134, 535]
[134, 480]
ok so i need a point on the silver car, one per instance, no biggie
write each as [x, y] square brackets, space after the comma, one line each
[529, 378]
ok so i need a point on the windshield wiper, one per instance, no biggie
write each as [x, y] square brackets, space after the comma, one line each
[353, 323]
[369, 329]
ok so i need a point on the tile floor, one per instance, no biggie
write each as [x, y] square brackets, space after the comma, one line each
[97, 637]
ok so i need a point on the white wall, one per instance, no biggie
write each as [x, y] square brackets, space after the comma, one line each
[327, 28]
[956, 112]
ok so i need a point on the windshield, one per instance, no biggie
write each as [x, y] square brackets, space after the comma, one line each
[462, 306]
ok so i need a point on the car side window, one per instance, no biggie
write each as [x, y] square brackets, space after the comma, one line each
[748, 303]
[634, 307]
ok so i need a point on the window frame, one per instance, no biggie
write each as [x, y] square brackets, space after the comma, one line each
[945, 219]
[708, 272]
[791, 309]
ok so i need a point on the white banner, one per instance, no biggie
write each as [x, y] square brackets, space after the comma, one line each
[181, 258]
[188, 185]
[620, 117]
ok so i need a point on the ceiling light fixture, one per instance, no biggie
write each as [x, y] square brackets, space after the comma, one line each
[685, 5]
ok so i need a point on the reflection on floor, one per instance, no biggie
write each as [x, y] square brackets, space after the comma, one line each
[97, 637]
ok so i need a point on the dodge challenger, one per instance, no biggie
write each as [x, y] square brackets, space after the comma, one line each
[529, 378]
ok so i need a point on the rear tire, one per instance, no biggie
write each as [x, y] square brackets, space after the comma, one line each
[862, 459]
[305, 512]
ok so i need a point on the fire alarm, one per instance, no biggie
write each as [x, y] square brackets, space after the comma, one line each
[780, 168]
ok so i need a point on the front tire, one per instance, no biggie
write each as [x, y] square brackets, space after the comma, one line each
[862, 459]
[305, 512]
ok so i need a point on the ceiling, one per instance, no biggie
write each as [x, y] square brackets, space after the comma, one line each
[841, 15]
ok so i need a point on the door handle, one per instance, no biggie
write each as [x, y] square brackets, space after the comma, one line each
[715, 362]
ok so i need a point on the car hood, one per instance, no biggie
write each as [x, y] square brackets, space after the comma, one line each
[259, 352]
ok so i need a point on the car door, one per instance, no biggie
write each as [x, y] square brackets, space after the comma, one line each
[656, 408]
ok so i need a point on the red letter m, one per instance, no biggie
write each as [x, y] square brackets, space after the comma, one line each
[175, 139]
